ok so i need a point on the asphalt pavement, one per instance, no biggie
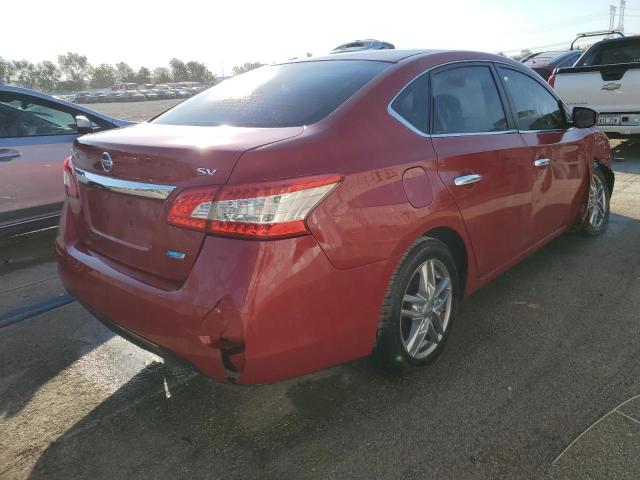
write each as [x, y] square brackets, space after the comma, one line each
[538, 380]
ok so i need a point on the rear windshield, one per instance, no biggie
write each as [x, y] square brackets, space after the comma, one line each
[626, 51]
[288, 95]
[546, 58]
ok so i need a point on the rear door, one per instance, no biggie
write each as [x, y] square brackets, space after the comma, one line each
[483, 161]
[555, 153]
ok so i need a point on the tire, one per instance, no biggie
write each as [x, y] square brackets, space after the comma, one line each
[597, 216]
[407, 298]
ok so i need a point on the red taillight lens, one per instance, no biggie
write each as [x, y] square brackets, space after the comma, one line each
[69, 178]
[552, 80]
[191, 208]
[260, 210]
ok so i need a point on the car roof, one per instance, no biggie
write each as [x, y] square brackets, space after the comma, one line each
[631, 38]
[397, 56]
[59, 101]
[388, 55]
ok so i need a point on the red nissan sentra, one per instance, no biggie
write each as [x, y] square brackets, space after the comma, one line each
[309, 213]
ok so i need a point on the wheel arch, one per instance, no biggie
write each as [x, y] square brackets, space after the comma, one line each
[608, 173]
[452, 239]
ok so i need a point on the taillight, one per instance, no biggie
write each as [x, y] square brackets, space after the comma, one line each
[261, 210]
[69, 177]
[191, 208]
[552, 80]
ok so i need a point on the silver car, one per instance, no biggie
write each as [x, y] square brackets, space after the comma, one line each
[36, 133]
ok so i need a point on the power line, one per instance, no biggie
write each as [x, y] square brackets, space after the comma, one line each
[572, 21]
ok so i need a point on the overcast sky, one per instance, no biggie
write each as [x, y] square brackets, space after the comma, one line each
[230, 32]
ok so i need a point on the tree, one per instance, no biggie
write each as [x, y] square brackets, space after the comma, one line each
[25, 73]
[47, 76]
[6, 71]
[161, 75]
[143, 75]
[125, 73]
[198, 72]
[238, 69]
[75, 69]
[103, 76]
[179, 72]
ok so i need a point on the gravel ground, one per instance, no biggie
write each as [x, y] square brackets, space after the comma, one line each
[534, 359]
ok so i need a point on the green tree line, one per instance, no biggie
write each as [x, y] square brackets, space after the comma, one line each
[73, 72]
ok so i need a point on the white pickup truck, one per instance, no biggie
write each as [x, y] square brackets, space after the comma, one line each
[606, 78]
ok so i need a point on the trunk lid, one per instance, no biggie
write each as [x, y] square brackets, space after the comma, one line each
[119, 221]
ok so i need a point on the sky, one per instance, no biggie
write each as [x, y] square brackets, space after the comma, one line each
[227, 33]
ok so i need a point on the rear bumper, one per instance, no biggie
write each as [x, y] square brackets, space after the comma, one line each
[249, 312]
[622, 130]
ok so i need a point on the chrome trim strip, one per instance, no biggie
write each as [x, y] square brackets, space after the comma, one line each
[442, 135]
[467, 180]
[522, 69]
[402, 120]
[128, 187]
[555, 130]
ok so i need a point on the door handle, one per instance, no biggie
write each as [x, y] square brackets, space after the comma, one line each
[7, 155]
[542, 162]
[467, 180]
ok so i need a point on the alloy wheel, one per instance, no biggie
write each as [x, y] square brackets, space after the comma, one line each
[597, 206]
[426, 309]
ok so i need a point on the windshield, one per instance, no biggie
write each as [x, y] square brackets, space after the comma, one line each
[286, 95]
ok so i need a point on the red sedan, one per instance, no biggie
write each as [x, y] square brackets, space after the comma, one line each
[309, 213]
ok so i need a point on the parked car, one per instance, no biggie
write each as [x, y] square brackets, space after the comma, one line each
[149, 94]
[269, 234]
[544, 63]
[607, 79]
[36, 132]
[358, 45]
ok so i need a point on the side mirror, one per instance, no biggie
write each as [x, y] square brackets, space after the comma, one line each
[83, 124]
[584, 117]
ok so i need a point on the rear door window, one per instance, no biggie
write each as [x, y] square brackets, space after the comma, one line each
[466, 100]
[411, 106]
[287, 95]
[536, 108]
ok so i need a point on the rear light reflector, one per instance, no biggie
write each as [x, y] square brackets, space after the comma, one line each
[552, 80]
[69, 178]
[261, 210]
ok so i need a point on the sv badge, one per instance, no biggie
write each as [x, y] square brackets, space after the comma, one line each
[205, 171]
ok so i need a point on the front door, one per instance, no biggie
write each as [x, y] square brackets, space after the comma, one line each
[556, 152]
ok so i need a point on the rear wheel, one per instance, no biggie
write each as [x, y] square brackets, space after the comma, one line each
[419, 307]
[597, 216]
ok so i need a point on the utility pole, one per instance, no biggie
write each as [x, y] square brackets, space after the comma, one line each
[612, 18]
[623, 4]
